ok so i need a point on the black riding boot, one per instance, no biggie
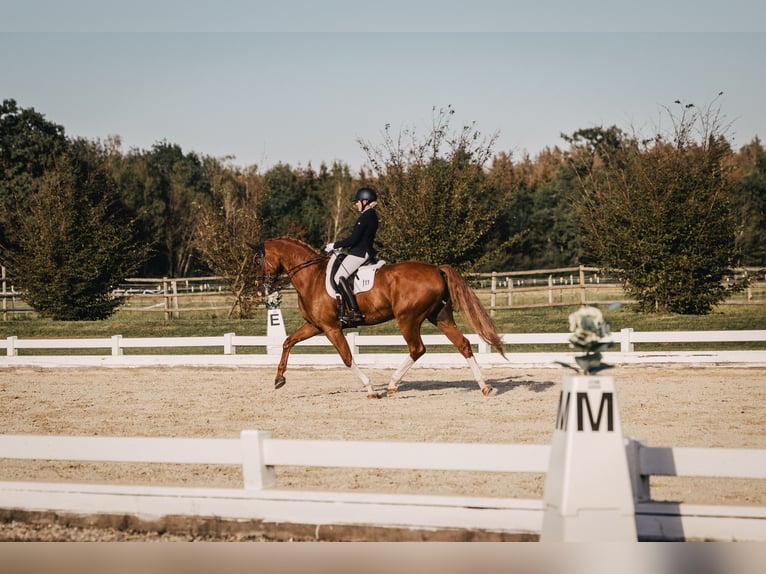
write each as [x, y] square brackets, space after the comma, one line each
[354, 316]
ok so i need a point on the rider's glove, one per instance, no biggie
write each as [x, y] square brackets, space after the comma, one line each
[329, 248]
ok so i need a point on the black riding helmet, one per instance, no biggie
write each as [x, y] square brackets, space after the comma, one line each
[366, 195]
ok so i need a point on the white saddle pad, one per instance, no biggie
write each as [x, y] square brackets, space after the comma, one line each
[363, 280]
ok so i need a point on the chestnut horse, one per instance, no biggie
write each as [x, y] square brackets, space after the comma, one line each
[409, 292]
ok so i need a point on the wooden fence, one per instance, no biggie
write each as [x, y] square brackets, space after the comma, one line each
[258, 455]
[498, 290]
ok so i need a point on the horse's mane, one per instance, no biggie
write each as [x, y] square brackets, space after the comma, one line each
[298, 241]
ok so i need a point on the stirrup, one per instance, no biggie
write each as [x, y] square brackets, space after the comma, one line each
[351, 319]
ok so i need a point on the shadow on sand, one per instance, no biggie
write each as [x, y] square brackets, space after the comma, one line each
[503, 385]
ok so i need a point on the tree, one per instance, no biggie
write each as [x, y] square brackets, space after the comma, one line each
[281, 212]
[28, 145]
[160, 186]
[336, 190]
[435, 203]
[227, 223]
[535, 215]
[749, 203]
[74, 243]
[657, 213]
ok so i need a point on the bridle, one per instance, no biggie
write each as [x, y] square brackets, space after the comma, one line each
[264, 278]
[270, 281]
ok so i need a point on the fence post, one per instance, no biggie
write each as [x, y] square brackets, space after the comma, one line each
[639, 482]
[583, 297]
[550, 289]
[626, 343]
[5, 292]
[351, 338]
[174, 289]
[228, 344]
[493, 294]
[588, 494]
[166, 297]
[509, 281]
[256, 473]
[12, 352]
[116, 345]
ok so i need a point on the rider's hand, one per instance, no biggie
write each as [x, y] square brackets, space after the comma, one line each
[329, 248]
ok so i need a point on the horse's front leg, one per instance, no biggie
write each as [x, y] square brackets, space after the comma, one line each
[336, 337]
[305, 331]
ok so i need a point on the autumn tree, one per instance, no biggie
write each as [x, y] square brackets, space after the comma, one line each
[657, 213]
[435, 203]
[337, 192]
[227, 224]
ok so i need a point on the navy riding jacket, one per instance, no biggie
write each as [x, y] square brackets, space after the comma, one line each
[360, 241]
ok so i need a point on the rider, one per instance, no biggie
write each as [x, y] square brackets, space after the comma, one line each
[360, 249]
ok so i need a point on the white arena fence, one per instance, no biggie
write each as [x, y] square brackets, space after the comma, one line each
[257, 453]
[238, 350]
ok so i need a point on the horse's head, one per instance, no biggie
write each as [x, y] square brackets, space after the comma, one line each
[280, 259]
[266, 271]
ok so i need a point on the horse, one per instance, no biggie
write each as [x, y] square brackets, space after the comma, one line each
[408, 292]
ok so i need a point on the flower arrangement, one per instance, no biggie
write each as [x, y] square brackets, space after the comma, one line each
[589, 329]
[274, 300]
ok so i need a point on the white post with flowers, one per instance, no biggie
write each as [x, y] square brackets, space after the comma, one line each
[588, 493]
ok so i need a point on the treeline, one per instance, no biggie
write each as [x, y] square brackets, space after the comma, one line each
[447, 197]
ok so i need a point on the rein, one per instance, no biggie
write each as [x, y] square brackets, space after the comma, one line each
[293, 270]
[269, 280]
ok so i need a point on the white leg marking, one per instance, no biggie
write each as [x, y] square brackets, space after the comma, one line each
[362, 377]
[476, 372]
[399, 374]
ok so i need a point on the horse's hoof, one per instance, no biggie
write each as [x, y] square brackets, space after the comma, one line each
[489, 391]
[391, 392]
[373, 396]
[279, 382]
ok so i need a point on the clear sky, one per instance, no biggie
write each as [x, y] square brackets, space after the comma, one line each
[301, 82]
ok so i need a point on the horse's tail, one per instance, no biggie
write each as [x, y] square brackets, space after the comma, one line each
[465, 302]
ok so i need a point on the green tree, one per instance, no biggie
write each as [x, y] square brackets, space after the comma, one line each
[536, 226]
[657, 213]
[160, 187]
[74, 243]
[435, 204]
[749, 204]
[281, 212]
[28, 145]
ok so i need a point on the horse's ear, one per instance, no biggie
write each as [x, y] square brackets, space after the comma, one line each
[253, 246]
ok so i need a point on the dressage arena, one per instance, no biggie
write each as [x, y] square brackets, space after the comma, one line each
[663, 405]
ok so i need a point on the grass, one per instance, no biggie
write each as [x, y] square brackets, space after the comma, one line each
[528, 320]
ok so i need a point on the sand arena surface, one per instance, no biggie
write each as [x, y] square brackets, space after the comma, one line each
[665, 406]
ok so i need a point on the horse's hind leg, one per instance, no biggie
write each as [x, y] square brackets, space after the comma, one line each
[396, 378]
[411, 333]
[446, 324]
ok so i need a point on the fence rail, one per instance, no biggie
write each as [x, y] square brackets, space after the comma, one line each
[265, 350]
[259, 454]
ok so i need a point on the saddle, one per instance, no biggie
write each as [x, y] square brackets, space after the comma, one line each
[360, 280]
